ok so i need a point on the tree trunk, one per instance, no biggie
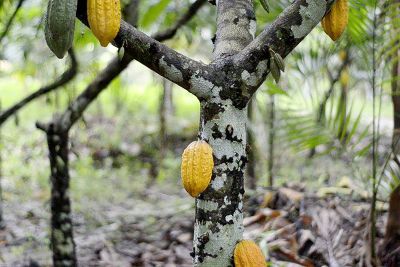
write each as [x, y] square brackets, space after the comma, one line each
[62, 240]
[396, 105]
[389, 253]
[1, 186]
[223, 117]
[342, 113]
[251, 166]
[271, 141]
[219, 211]
[165, 110]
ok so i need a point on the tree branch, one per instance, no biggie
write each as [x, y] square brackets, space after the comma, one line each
[10, 21]
[158, 57]
[66, 77]
[170, 32]
[105, 77]
[282, 36]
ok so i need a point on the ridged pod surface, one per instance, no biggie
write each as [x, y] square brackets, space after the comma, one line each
[334, 23]
[196, 168]
[248, 254]
[104, 18]
[60, 25]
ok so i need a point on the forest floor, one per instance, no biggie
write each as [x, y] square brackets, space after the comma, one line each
[319, 218]
[294, 228]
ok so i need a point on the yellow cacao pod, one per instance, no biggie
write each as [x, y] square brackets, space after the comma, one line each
[345, 77]
[104, 18]
[334, 23]
[248, 254]
[342, 55]
[196, 168]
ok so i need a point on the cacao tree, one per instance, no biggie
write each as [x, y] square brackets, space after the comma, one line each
[224, 87]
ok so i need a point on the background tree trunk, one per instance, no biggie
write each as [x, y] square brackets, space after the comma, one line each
[2, 224]
[62, 240]
[342, 113]
[271, 141]
[165, 111]
[252, 149]
[389, 252]
[396, 105]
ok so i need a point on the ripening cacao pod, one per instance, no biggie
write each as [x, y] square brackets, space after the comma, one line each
[60, 25]
[197, 166]
[104, 18]
[334, 23]
[343, 55]
[345, 77]
[248, 254]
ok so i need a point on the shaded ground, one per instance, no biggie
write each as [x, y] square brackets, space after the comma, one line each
[292, 227]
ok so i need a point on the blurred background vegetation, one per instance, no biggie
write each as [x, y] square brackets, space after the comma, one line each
[319, 119]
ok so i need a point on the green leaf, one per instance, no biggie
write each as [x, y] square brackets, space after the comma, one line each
[153, 13]
[276, 90]
[279, 61]
[265, 5]
[275, 71]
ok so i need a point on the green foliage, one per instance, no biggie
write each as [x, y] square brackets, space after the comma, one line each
[154, 13]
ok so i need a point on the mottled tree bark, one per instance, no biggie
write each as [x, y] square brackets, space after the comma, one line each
[62, 240]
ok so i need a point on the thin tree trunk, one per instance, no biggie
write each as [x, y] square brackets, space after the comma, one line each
[62, 240]
[165, 111]
[1, 179]
[342, 113]
[251, 166]
[271, 141]
[389, 254]
[163, 114]
[396, 105]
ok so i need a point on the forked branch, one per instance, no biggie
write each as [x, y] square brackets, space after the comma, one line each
[158, 57]
[281, 36]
